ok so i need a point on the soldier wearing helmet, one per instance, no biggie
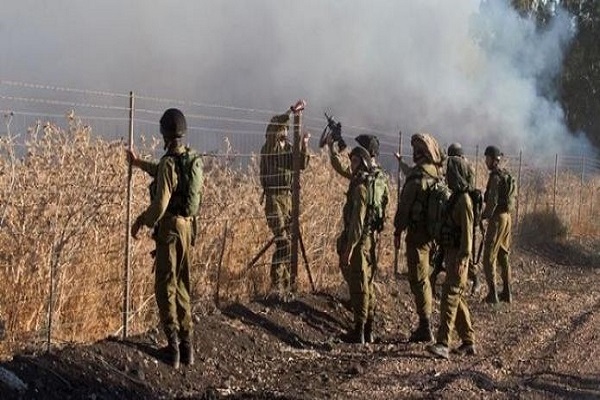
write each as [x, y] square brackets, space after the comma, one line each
[458, 243]
[276, 168]
[355, 245]
[498, 205]
[174, 234]
[456, 150]
[428, 158]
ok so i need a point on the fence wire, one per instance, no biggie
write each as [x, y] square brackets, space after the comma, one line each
[63, 229]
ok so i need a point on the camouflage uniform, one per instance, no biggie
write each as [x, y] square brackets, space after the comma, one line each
[276, 169]
[497, 238]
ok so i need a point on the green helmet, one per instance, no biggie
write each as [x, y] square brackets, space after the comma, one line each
[455, 149]
[493, 152]
[172, 124]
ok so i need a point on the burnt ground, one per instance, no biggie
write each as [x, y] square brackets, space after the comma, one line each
[544, 345]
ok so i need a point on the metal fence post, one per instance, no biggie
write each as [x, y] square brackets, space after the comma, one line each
[581, 189]
[126, 283]
[555, 183]
[295, 231]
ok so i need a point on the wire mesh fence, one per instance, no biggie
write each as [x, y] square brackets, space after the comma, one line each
[64, 222]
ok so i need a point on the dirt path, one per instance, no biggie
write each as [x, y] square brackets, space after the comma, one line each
[544, 345]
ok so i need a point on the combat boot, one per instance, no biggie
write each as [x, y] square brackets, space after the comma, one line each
[422, 333]
[358, 334]
[186, 350]
[492, 296]
[170, 353]
[369, 338]
[506, 295]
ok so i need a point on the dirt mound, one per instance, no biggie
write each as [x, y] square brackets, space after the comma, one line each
[545, 344]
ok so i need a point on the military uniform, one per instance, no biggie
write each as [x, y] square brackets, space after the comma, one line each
[497, 238]
[276, 169]
[457, 240]
[174, 235]
[411, 216]
[173, 239]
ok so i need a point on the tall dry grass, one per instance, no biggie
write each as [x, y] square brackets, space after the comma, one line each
[63, 233]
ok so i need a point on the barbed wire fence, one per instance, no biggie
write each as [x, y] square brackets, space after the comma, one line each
[69, 268]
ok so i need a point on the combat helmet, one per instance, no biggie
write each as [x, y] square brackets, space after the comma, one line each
[173, 124]
[493, 152]
[455, 149]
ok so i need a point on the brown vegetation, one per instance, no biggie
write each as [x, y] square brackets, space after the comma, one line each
[63, 232]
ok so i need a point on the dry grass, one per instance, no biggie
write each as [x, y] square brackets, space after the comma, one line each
[63, 222]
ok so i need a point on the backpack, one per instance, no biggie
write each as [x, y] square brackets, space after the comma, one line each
[187, 197]
[507, 192]
[450, 234]
[437, 196]
[377, 199]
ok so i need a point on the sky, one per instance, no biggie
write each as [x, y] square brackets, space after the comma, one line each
[467, 71]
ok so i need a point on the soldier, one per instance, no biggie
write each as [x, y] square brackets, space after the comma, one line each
[411, 215]
[340, 163]
[355, 248]
[457, 240]
[276, 169]
[342, 167]
[174, 235]
[455, 149]
[498, 205]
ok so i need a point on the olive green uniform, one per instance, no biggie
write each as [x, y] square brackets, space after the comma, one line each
[276, 169]
[358, 240]
[411, 216]
[498, 234]
[174, 235]
[454, 312]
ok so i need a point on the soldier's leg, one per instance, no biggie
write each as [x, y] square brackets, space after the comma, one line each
[452, 294]
[276, 223]
[464, 327]
[359, 294]
[165, 290]
[503, 261]
[184, 309]
[417, 258]
[370, 323]
[490, 255]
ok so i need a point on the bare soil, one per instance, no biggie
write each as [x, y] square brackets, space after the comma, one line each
[543, 345]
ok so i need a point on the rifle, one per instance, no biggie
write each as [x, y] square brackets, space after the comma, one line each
[333, 129]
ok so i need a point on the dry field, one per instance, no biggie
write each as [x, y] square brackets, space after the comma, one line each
[63, 232]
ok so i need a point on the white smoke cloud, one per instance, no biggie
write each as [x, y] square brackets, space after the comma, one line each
[466, 71]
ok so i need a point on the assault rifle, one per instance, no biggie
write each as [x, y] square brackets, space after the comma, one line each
[333, 129]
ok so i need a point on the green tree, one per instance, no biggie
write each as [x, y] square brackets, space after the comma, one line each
[580, 81]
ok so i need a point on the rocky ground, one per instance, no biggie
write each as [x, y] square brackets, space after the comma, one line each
[544, 345]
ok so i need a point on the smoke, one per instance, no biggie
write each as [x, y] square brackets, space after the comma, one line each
[467, 71]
